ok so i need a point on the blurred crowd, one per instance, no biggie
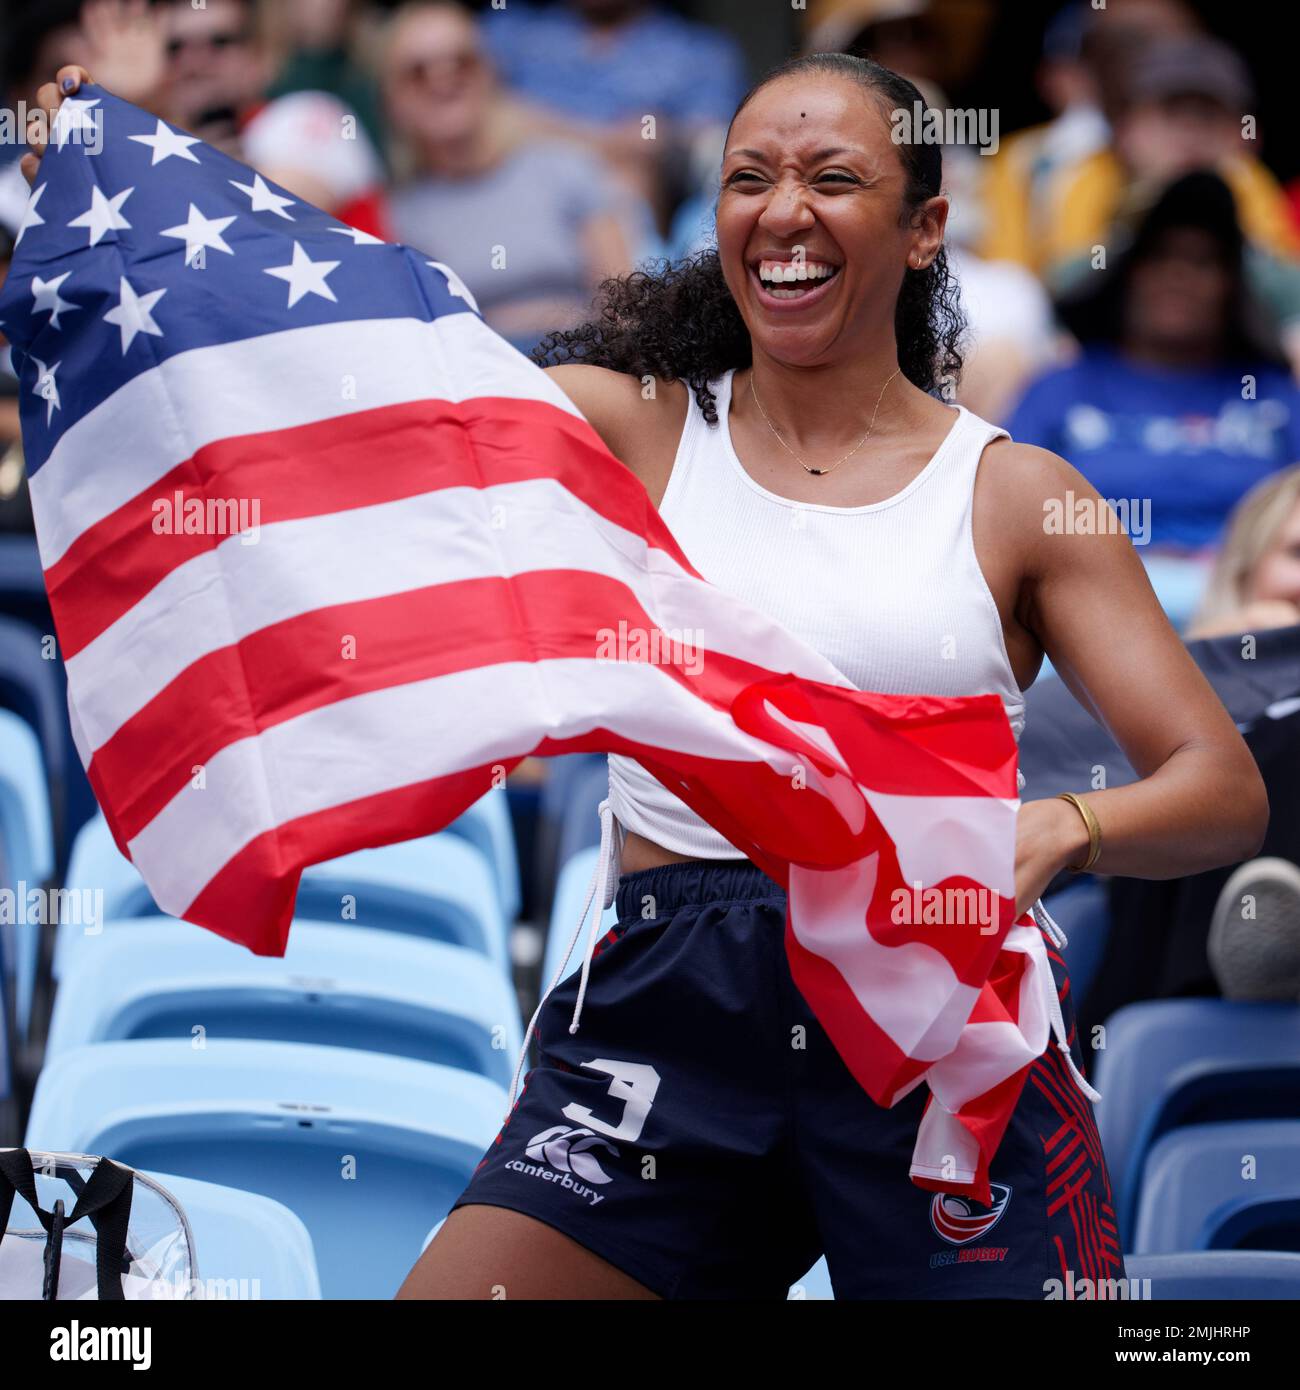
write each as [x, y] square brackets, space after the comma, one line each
[1130, 267]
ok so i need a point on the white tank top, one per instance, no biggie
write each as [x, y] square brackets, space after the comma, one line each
[890, 593]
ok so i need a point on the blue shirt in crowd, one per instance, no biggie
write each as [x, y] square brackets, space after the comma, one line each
[1189, 441]
[657, 64]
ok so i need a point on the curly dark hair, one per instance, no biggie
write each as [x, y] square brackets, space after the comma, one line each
[678, 321]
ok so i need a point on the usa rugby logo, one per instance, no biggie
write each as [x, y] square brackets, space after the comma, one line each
[958, 1220]
[569, 1150]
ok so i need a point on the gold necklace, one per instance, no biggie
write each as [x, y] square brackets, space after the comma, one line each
[820, 472]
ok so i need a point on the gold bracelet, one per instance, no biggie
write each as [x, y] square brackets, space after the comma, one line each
[1094, 832]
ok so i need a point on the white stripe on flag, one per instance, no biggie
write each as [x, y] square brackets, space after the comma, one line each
[164, 416]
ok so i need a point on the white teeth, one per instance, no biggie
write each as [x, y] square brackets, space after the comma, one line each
[788, 272]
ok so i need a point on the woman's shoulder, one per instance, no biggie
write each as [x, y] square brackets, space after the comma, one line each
[639, 419]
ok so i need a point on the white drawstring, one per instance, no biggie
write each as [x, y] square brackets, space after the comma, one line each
[603, 887]
[1058, 939]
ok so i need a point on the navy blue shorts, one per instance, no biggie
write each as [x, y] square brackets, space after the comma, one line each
[701, 1133]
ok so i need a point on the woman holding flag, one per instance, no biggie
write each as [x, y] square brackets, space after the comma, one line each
[783, 401]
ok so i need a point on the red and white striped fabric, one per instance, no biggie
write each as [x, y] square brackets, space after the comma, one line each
[439, 558]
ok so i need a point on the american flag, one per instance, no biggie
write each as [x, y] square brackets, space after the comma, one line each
[327, 556]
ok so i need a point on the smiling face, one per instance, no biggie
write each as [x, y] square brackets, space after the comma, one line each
[438, 85]
[813, 235]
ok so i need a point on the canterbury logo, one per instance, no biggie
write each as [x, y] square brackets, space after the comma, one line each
[569, 1150]
[959, 1220]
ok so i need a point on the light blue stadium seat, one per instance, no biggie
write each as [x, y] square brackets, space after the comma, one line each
[1196, 1193]
[1176, 1062]
[24, 802]
[33, 686]
[368, 1150]
[1082, 910]
[22, 582]
[588, 786]
[26, 834]
[570, 891]
[1214, 1275]
[8, 1104]
[487, 826]
[96, 866]
[816, 1284]
[438, 887]
[245, 1245]
[341, 986]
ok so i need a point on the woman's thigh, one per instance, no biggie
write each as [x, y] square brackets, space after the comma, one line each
[492, 1252]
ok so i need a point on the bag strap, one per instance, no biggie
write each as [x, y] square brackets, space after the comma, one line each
[106, 1199]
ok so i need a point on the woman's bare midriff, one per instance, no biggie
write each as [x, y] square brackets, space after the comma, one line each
[640, 853]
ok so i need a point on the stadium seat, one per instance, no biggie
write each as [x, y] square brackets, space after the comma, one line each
[487, 826]
[26, 848]
[816, 1284]
[570, 891]
[339, 986]
[579, 823]
[1176, 1062]
[245, 1246]
[1218, 1275]
[33, 686]
[22, 582]
[96, 865]
[1197, 1193]
[1082, 911]
[368, 1150]
[437, 887]
[559, 794]
[8, 1102]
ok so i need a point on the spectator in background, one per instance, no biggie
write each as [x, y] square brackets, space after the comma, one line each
[15, 506]
[216, 71]
[594, 70]
[311, 143]
[1178, 105]
[1181, 394]
[121, 42]
[118, 40]
[896, 33]
[1022, 181]
[313, 44]
[1255, 582]
[1010, 334]
[530, 225]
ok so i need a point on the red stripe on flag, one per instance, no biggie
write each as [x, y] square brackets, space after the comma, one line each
[338, 465]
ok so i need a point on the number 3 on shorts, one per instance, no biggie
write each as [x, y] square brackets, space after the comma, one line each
[635, 1083]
